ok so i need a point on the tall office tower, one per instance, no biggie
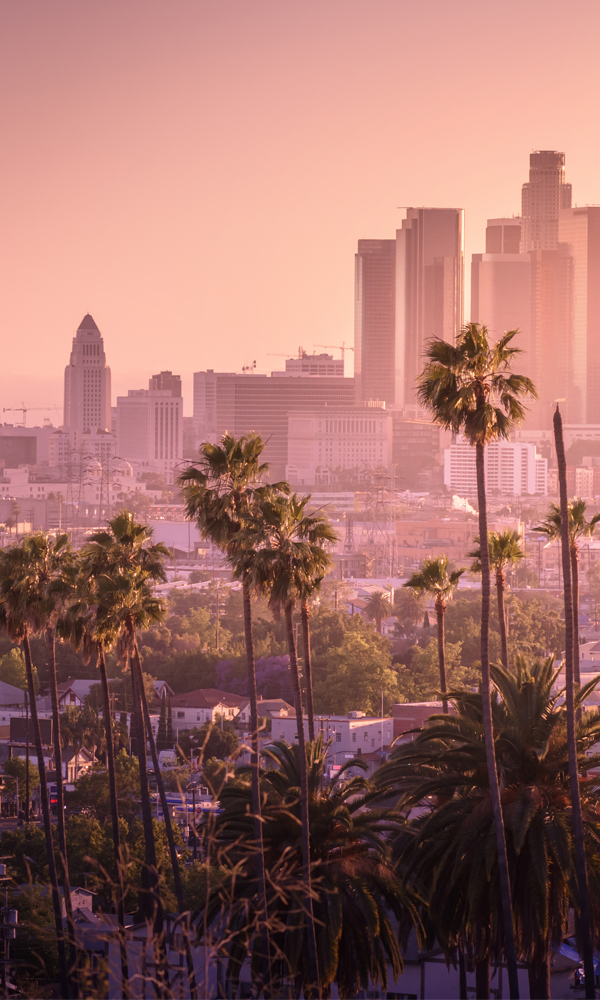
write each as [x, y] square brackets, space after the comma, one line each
[150, 430]
[166, 380]
[503, 235]
[542, 197]
[87, 384]
[375, 320]
[500, 284]
[579, 233]
[429, 289]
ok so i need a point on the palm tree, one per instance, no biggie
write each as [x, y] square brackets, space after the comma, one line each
[408, 606]
[124, 564]
[378, 607]
[433, 578]
[570, 665]
[20, 618]
[470, 388]
[357, 894]
[444, 852]
[578, 528]
[505, 550]
[292, 554]
[220, 494]
[82, 627]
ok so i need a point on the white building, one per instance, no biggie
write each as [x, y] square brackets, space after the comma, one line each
[97, 444]
[511, 469]
[87, 384]
[204, 705]
[323, 441]
[314, 365]
[150, 430]
[353, 735]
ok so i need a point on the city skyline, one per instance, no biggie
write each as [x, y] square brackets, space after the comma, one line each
[194, 128]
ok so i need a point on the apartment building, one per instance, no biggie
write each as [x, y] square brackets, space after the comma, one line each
[511, 469]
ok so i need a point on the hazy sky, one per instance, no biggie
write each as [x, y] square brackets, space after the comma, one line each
[196, 174]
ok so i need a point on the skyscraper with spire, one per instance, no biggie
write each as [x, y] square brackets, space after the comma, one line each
[87, 384]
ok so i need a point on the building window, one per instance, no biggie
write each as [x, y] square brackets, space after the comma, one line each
[366, 736]
[354, 737]
[338, 737]
[181, 715]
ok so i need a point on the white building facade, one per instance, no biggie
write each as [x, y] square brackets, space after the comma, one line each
[150, 430]
[323, 441]
[511, 469]
[353, 734]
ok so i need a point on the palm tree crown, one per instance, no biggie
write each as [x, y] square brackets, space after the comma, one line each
[433, 578]
[469, 386]
[505, 550]
[378, 607]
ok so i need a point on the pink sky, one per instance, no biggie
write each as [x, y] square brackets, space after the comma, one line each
[196, 175]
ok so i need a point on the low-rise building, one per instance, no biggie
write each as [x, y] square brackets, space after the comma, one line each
[352, 735]
[323, 442]
[204, 705]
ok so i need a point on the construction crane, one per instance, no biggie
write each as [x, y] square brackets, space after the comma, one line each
[26, 409]
[301, 354]
[340, 347]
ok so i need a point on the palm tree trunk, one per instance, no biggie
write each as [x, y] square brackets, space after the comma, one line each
[539, 979]
[56, 904]
[135, 656]
[313, 967]
[482, 979]
[490, 750]
[255, 777]
[575, 582]
[585, 926]
[310, 708]
[60, 806]
[151, 870]
[502, 619]
[440, 611]
[114, 812]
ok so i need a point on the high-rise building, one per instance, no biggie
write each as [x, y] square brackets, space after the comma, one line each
[316, 365]
[500, 285]
[579, 234]
[542, 198]
[429, 289]
[166, 380]
[503, 235]
[375, 320]
[150, 430]
[87, 384]
[511, 469]
[239, 404]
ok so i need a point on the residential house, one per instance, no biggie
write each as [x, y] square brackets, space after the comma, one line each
[204, 705]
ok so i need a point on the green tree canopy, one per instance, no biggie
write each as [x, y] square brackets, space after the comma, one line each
[12, 670]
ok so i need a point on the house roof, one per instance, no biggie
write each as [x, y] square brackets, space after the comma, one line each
[207, 698]
[10, 695]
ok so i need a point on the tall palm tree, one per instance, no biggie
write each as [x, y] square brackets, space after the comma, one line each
[408, 606]
[220, 493]
[51, 586]
[469, 387]
[378, 606]
[124, 564]
[81, 626]
[20, 618]
[292, 554]
[578, 527]
[505, 550]
[433, 578]
[445, 848]
[570, 626]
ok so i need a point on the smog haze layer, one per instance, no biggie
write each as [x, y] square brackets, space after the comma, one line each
[196, 175]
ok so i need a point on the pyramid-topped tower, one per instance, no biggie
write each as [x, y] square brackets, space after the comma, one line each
[87, 384]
